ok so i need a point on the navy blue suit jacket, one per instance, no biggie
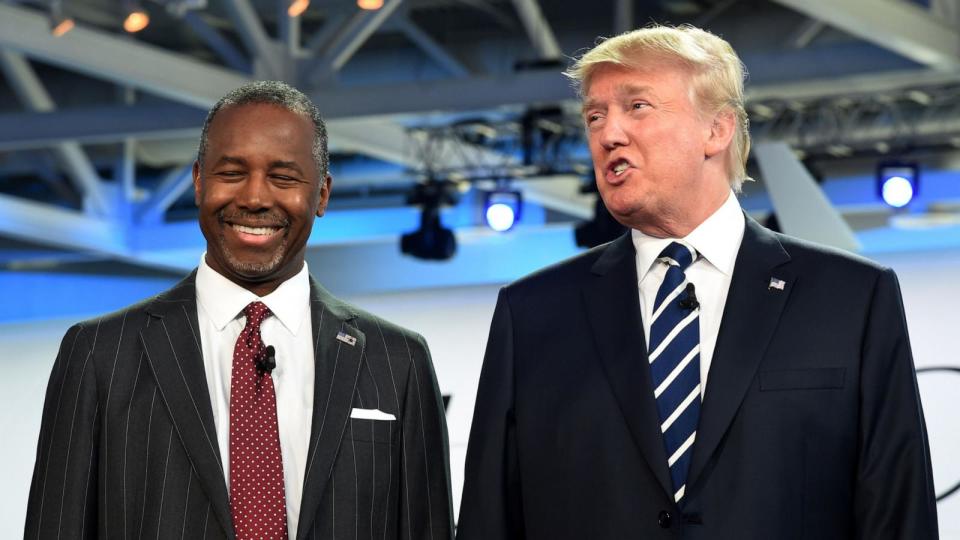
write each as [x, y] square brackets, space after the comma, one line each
[811, 426]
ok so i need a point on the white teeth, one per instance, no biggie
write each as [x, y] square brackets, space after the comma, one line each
[259, 231]
[620, 167]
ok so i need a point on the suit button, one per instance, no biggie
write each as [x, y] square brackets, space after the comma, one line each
[664, 519]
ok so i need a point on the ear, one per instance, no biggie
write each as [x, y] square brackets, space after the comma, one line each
[721, 134]
[196, 183]
[324, 195]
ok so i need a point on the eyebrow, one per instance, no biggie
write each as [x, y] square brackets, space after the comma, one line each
[230, 160]
[276, 164]
[280, 164]
[625, 89]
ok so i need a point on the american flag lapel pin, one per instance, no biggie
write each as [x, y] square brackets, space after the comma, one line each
[346, 338]
[776, 283]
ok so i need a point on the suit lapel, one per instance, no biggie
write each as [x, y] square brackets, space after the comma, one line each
[337, 362]
[613, 309]
[172, 345]
[750, 317]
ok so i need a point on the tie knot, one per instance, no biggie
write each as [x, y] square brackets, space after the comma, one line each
[677, 254]
[256, 312]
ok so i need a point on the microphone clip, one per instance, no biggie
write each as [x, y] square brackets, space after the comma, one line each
[267, 360]
[689, 301]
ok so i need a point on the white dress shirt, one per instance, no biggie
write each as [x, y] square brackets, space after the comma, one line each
[220, 304]
[717, 240]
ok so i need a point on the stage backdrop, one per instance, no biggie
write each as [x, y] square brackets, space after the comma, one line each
[455, 322]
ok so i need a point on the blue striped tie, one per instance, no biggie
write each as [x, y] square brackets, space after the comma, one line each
[675, 363]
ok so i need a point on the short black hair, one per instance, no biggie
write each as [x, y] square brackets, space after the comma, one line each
[282, 95]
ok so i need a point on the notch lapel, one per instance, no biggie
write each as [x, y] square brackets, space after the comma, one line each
[750, 318]
[612, 300]
[171, 342]
[337, 364]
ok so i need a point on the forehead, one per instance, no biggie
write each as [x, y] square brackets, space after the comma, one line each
[252, 124]
[653, 75]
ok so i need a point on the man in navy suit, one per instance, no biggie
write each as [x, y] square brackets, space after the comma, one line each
[701, 377]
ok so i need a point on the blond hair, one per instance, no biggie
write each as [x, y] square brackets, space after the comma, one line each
[718, 75]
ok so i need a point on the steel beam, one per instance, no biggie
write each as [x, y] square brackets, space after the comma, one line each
[48, 225]
[354, 35]
[903, 27]
[853, 85]
[428, 45]
[479, 92]
[217, 43]
[801, 206]
[623, 16]
[20, 131]
[28, 87]
[177, 181]
[538, 29]
[264, 51]
[316, 44]
[117, 59]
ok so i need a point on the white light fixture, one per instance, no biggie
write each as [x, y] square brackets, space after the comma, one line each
[297, 7]
[136, 19]
[370, 5]
[60, 23]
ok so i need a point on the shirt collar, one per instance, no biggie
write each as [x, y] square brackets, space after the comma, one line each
[717, 240]
[224, 300]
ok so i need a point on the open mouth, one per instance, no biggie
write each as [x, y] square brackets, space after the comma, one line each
[255, 231]
[619, 166]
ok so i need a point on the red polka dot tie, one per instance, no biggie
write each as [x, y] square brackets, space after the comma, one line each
[256, 469]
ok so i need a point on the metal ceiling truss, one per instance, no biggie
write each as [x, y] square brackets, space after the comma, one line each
[372, 119]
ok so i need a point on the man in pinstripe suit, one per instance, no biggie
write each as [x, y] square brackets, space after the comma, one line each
[135, 438]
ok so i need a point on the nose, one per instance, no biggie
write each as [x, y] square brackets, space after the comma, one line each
[612, 133]
[254, 193]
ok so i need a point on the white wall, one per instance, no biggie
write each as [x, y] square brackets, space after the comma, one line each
[455, 322]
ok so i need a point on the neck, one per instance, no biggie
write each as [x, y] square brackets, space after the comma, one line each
[679, 222]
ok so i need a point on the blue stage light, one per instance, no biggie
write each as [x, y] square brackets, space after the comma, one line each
[502, 209]
[897, 183]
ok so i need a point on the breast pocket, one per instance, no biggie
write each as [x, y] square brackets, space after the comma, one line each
[802, 379]
[379, 431]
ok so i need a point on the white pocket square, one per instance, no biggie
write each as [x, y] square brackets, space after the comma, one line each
[371, 414]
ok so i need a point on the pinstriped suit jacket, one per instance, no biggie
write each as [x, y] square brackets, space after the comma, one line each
[128, 449]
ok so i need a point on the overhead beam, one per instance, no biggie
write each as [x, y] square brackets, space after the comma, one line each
[31, 92]
[357, 31]
[317, 42]
[623, 16]
[903, 27]
[217, 43]
[262, 49]
[20, 131]
[480, 92]
[538, 28]
[501, 17]
[802, 208]
[853, 85]
[428, 45]
[116, 59]
[176, 182]
[45, 224]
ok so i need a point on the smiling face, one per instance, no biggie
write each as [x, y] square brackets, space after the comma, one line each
[258, 192]
[655, 154]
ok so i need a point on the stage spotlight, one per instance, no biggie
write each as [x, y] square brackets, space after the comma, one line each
[370, 5]
[898, 183]
[297, 7]
[432, 241]
[136, 19]
[502, 209]
[60, 23]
